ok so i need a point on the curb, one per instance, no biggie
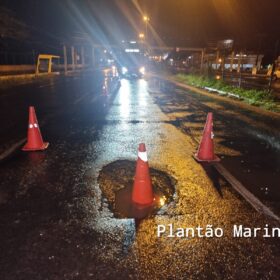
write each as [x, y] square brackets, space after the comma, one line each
[203, 91]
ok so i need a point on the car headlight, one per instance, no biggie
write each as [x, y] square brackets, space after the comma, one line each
[142, 70]
[124, 70]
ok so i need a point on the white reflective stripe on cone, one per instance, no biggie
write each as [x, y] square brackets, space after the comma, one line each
[33, 125]
[143, 156]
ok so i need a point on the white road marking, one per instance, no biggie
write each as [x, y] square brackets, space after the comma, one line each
[12, 149]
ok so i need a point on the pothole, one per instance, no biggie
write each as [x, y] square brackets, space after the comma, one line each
[116, 182]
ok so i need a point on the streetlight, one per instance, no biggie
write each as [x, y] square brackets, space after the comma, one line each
[146, 20]
[141, 36]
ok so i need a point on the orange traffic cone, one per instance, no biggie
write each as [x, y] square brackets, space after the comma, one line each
[142, 192]
[206, 148]
[34, 137]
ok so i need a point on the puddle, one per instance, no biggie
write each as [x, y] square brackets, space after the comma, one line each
[116, 182]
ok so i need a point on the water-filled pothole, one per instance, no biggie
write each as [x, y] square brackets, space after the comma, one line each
[116, 182]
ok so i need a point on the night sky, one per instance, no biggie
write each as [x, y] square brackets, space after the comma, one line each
[253, 23]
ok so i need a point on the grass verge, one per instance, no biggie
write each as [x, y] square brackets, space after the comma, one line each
[260, 98]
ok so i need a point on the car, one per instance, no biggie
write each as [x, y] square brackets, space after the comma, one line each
[133, 71]
[132, 60]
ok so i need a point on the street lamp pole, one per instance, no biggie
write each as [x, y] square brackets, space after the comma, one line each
[146, 20]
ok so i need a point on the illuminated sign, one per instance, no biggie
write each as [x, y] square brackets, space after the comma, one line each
[132, 50]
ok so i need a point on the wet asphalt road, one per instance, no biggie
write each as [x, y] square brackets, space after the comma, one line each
[50, 96]
[55, 222]
[248, 141]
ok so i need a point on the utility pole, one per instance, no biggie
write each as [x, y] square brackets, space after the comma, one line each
[231, 61]
[146, 20]
[73, 57]
[223, 62]
[217, 59]
[239, 69]
[260, 40]
[202, 61]
[273, 65]
[65, 58]
[83, 55]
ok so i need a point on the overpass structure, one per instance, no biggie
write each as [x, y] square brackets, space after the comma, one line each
[84, 53]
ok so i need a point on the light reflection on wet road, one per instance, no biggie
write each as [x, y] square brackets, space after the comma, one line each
[247, 141]
[56, 224]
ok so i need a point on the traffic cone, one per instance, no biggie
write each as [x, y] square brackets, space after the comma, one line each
[142, 192]
[206, 148]
[34, 137]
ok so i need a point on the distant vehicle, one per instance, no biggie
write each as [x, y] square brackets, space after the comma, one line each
[132, 62]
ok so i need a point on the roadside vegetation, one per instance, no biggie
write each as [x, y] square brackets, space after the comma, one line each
[260, 98]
